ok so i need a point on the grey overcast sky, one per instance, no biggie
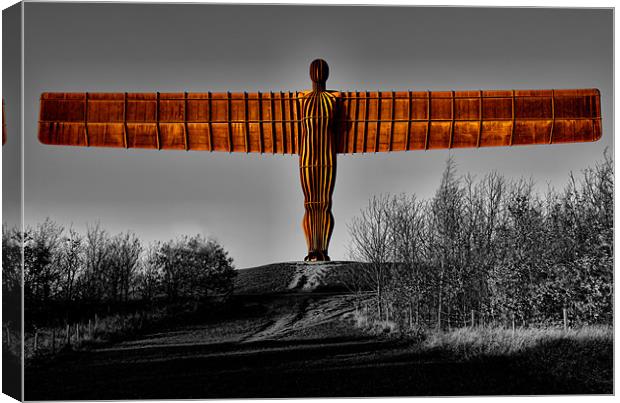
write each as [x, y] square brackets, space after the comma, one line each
[253, 204]
[11, 86]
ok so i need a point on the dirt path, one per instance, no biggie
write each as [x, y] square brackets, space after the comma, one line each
[295, 331]
[280, 326]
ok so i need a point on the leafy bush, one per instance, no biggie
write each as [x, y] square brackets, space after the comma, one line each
[194, 267]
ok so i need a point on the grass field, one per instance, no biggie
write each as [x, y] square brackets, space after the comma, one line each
[581, 358]
[288, 336]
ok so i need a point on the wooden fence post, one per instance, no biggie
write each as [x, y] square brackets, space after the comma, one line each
[564, 313]
[8, 335]
[90, 329]
[36, 340]
[77, 332]
[410, 315]
[68, 337]
[473, 318]
[513, 324]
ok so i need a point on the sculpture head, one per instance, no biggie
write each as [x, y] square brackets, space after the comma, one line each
[319, 72]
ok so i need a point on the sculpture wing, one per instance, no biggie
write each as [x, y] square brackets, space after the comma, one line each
[230, 122]
[403, 121]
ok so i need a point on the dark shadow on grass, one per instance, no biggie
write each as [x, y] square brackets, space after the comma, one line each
[11, 375]
[335, 367]
[570, 366]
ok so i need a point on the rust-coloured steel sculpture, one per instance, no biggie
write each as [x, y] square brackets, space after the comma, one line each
[317, 162]
[319, 124]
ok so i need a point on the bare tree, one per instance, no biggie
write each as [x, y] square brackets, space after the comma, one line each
[149, 276]
[481, 214]
[493, 247]
[40, 261]
[70, 261]
[372, 243]
[446, 222]
[96, 254]
[408, 239]
[121, 264]
[11, 259]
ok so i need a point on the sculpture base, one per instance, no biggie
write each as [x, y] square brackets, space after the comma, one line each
[317, 256]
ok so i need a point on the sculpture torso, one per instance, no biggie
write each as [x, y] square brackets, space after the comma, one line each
[318, 143]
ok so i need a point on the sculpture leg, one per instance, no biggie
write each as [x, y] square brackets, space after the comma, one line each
[318, 222]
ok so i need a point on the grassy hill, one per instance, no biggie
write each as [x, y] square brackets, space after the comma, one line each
[290, 330]
[293, 277]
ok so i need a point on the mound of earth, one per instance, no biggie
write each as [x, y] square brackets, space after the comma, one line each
[296, 277]
[291, 330]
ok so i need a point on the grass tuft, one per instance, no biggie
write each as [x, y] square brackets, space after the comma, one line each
[469, 343]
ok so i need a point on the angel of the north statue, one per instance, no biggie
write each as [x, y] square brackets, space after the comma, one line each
[319, 124]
